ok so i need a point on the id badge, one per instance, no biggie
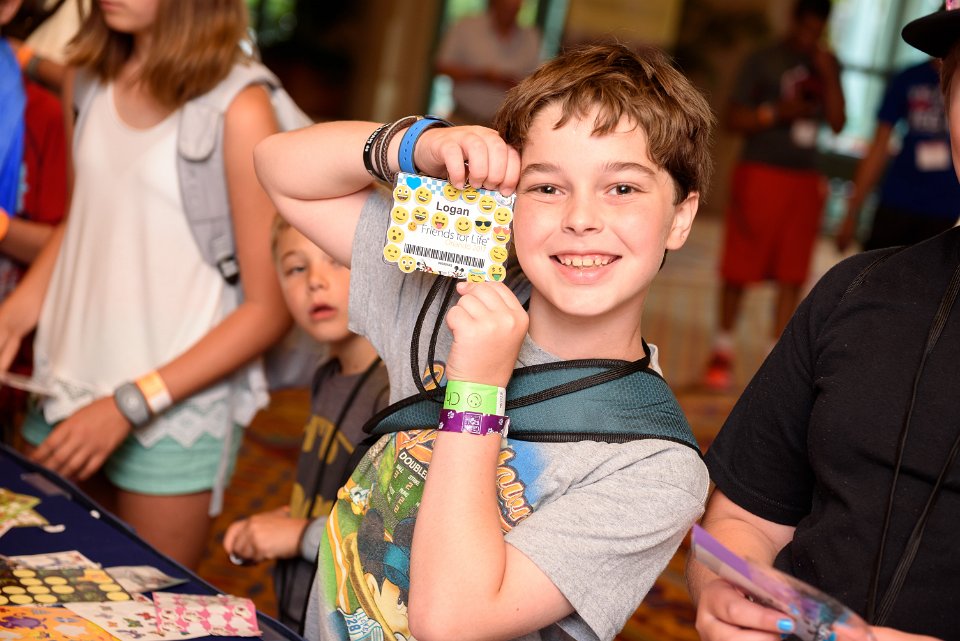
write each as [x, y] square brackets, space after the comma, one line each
[933, 155]
[439, 229]
[804, 133]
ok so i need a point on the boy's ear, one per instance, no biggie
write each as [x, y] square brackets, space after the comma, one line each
[683, 215]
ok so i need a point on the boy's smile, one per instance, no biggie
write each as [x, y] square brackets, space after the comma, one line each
[594, 216]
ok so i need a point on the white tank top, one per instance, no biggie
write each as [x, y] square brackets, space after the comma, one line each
[130, 290]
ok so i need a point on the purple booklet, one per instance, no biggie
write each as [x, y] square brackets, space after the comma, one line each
[814, 612]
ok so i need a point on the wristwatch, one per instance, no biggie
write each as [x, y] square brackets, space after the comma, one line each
[132, 404]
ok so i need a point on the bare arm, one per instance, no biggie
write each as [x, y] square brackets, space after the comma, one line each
[261, 319]
[20, 312]
[865, 178]
[317, 180]
[834, 105]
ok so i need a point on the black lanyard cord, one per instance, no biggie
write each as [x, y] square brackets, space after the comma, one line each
[439, 283]
[875, 616]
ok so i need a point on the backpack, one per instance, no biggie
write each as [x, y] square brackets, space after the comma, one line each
[203, 183]
[203, 187]
[567, 401]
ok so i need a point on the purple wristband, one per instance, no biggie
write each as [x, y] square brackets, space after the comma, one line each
[473, 423]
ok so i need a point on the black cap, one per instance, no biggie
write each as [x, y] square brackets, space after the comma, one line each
[937, 33]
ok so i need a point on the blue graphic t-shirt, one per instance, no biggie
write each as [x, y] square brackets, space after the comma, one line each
[920, 178]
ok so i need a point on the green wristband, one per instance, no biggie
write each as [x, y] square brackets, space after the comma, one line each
[475, 397]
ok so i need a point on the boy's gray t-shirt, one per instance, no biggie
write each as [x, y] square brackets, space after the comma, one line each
[600, 520]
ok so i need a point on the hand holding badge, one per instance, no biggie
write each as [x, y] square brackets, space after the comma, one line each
[440, 229]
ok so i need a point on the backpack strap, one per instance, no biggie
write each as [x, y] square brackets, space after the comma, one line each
[200, 165]
[548, 405]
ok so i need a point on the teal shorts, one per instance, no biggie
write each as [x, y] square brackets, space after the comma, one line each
[166, 468]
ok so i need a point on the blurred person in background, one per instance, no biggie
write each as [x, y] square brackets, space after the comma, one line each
[485, 55]
[782, 95]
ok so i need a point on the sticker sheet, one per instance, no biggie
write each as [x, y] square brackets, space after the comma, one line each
[134, 620]
[439, 229]
[142, 578]
[26, 586]
[39, 623]
[216, 615]
[814, 612]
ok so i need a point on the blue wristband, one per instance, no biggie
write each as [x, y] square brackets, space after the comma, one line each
[410, 137]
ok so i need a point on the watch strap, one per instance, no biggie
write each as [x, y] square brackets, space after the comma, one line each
[409, 141]
[132, 404]
[473, 423]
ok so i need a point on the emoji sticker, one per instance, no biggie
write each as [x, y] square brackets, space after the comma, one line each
[407, 263]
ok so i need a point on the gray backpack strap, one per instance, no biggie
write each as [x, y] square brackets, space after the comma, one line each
[200, 166]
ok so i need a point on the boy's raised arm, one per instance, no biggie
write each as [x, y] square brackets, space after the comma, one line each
[316, 178]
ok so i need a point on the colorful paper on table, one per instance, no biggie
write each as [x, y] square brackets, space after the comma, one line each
[12, 504]
[134, 620]
[54, 560]
[217, 615]
[38, 623]
[814, 612]
[16, 510]
[142, 578]
[25, 586]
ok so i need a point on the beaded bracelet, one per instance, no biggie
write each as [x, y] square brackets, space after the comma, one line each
[475, 423]
[383, 145]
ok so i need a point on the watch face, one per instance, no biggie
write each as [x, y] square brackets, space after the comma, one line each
[132, 404]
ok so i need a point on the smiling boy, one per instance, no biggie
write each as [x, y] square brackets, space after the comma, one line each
[608, 152]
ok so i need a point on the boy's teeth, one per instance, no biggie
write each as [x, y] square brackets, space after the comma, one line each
[583, 261]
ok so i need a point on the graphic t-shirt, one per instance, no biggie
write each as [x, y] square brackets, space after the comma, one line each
[770, 74]
[600, 520]
[920, 179]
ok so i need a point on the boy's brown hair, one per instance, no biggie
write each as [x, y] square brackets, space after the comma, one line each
[279, 226]
[194, 45]
[642, 86]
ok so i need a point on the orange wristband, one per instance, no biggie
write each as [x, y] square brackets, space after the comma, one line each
[155, 391]
[4, 224]
[24, 54]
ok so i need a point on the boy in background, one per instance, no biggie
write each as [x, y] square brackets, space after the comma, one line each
[348, 388]
[608, 152]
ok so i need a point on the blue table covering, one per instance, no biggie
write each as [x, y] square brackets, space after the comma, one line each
[97, 534]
